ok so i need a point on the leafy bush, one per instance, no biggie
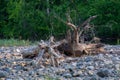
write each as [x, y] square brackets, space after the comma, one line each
[35, 19]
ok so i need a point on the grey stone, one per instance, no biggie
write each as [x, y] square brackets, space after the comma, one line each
[117, 66]
[89, 58]
[100, 56]
[26, 69]
[9, 79]
[6, 69]
[18, 67]
[86, 78]
[79, 63]
[31, 73]
[73, 78]
[77, 73]
[19, 78]
[101, 65]
[108, 62]
[69, 67]
[103, 73]
[85, 73]
[90, 72]
[3, 74]
[95, 78]
[90, 67]
[60, 71]
[67, 75]
[74, 64]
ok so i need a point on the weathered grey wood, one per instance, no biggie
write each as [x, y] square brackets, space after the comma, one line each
[40, 55]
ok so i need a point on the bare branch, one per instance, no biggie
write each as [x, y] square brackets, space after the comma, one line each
[39, 57]
[80, 33]
[87, 21]
[72, 26]
[68, 37]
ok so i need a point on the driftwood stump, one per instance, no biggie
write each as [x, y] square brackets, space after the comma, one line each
[72, 45]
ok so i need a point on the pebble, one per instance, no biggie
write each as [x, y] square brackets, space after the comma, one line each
[90, 67]
[18, 67]
[3, 74]
[117, 66]
[103, 73]
[9, 79]
[67, 75]
[90, 72]
[17, 50]
[19, 78]
[60, 71]
[88, 59]
[77, 73]
[108, 62]
[94, 77]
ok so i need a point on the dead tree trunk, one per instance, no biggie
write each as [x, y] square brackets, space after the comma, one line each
[50, 52]
[72, 46]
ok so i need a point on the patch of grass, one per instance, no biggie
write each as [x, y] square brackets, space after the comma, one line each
[15, 42]
[118, 41]
[50, 78]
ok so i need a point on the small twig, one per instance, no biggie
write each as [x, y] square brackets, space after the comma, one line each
[87, 21]
[52, 60]
[80, 33]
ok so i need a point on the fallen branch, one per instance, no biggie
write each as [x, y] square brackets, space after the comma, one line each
[39, 57]
[52, 51]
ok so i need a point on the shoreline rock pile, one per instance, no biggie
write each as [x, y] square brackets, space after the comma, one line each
[87, 67]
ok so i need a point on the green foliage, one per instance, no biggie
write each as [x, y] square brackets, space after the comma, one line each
[109, 16]
[46, 77]
[118, 41]
[35, 19]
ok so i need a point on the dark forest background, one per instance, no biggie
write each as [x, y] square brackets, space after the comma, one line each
[36, 19]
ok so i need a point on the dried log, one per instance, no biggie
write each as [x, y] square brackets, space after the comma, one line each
[31, 52]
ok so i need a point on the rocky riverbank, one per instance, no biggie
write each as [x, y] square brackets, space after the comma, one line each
[87, 67]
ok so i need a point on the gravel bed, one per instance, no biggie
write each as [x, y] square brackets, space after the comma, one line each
[88, 67]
